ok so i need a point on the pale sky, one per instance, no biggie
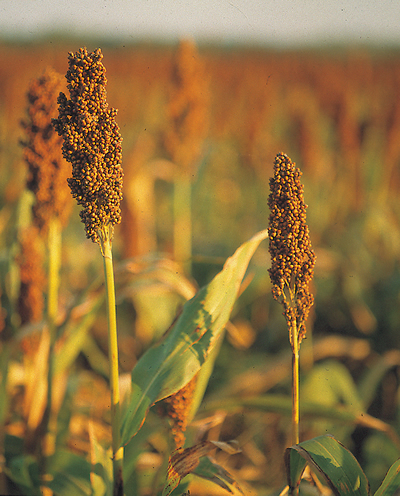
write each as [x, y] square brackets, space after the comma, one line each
[288, 22]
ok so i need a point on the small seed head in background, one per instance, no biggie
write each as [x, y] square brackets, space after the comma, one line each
[47, 169]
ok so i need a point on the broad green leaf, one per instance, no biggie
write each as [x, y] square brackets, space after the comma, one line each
[67, 484]
[295, 466]
[170, 364]
[391, 483]
[71, 474]
[329, 458]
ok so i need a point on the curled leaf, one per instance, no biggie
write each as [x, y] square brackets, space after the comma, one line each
[185, 461]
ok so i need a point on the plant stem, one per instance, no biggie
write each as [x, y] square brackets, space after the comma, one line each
[118, 452]
[295, 385]
[183, 221]
[54, 239]
[54, 264]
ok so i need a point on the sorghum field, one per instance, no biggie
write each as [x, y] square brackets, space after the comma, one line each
[201, 127]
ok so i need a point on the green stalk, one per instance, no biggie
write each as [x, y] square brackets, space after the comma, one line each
[54, 239]
[295, 385]
[54, 264]
[183, 221]
[118, 452]
[295, 391]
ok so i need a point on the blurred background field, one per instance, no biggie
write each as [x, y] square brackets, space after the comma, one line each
[336, 113]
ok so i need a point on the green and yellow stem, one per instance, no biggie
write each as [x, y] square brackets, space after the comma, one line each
[295, 385]
[290, 300]
[183, 222]
[54, 264]
[118, 452]
[54, 239]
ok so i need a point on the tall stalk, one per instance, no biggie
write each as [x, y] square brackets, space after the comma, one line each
[292, 263]
[187, 115]
[295, 387]
[183, 222]
[46, 178]
[54, 264]
[92, 143]
[118, 453]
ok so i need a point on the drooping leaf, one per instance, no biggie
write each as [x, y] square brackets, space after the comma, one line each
[190, 460]
[295, 466]
[330, 459]
[166, 367]
[209, 470]
[391, 483]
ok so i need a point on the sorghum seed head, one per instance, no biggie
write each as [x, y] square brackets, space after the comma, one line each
[92, 143]
[47, 169]
[30, 260]
[292, 257]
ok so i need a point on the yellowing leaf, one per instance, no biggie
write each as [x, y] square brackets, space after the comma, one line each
[185, 461]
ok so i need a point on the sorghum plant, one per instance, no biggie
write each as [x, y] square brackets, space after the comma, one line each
[47, 172]
[46, 178]
[92, 143]
[187, 116]
[292, 260]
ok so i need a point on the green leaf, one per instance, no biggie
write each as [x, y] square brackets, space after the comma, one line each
[295, 466]
[211, 471]
[330, 383]
[193, 460]
[24, 471]
[329, 458]
[278, 403]
[170, 364]
[391, 483]
[71, 474]
[102, 467]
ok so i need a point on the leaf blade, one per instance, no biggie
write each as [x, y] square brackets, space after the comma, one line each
[171, 363]
[391, 483]
[333, 461]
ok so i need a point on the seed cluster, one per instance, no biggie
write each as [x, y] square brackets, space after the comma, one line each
[92, 143]
[31, 301]
[47, 170]
[177, 409]
[292, 257]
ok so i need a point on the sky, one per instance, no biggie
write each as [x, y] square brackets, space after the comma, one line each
[280, 22]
